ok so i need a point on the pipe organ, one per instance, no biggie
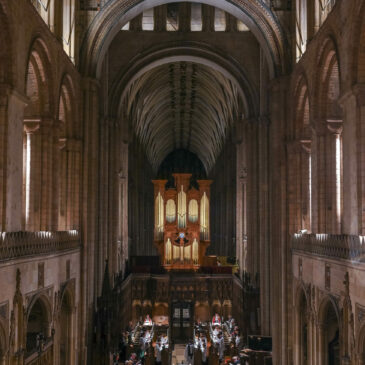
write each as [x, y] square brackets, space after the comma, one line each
[182, 232]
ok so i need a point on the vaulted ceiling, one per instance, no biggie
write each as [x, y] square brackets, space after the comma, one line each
[183, 105]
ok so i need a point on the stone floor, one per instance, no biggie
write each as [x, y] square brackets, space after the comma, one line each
[178, 355]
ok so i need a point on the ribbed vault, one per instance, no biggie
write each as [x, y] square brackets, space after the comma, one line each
[182, 105]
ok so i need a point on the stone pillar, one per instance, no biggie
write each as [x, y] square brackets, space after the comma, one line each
[279, 249]
[73, 150]
[46, 173]
[334, 178]
[32, 173]
[263, 216]
[353, 105]
[160, 18]
[241, 204]
[89, 210]
[208, 18]
[12, 106]
[184, 16]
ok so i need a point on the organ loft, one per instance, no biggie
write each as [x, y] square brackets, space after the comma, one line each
[182, 222]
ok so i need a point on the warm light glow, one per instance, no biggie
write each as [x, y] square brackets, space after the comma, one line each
[310, 192]
[338, 178]
[27, 179]
[148, 20]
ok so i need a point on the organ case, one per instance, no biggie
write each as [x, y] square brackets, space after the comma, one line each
[182, 232]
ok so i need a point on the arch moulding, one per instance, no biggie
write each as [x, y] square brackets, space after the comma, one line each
[258, 17]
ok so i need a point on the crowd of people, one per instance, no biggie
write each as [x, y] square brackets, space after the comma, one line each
[135, 352]
[219, 329]
[132, 351]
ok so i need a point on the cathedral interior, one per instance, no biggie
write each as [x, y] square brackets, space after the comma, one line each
[182, 182]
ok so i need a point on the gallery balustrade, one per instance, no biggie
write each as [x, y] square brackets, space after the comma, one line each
[20, 244]
[347, 247]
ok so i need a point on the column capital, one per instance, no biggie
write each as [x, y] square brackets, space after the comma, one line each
[306, 145]
[32, 125]
[335, 126]
[62, 143]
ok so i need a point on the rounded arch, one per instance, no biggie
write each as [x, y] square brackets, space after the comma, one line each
[328, 83]
[115, 14]
[67, 108]
[188, 52]
[301, 117]
[7, 59]
[39, 80]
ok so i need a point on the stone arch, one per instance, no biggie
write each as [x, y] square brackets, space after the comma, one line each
[3, 342]
[328, 81]
[39, 80]
[301, 126]
[327, 149]
[38, 320]
[66, 327]
[302, 323]
[361, 342]
[330, 329]
[114, 15]
[196, 53]
[7, 60]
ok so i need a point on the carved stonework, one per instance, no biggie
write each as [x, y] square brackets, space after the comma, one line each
[40, 275]
[360, 313]
[4, 310]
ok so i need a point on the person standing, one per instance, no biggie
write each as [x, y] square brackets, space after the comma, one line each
[189, 353]
[158, 350]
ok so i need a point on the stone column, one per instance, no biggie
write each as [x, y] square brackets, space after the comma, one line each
[89, 210]
[12, 106]
[46, 177]
[32, 173]
[279, 250]
[353, 105]
[263, 216]
[73, 150]
[334, 178]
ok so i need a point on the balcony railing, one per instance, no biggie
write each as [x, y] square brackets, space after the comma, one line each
[19, 244]
[347, 247]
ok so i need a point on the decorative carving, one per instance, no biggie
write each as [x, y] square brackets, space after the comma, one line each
[40, 275]
[18, 244]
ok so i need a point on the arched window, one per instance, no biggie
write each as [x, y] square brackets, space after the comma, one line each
[219, 20]
[148, 20]
[301, 27]
[172, 18]
[241, 26]
[37, 328]
[196, 17]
